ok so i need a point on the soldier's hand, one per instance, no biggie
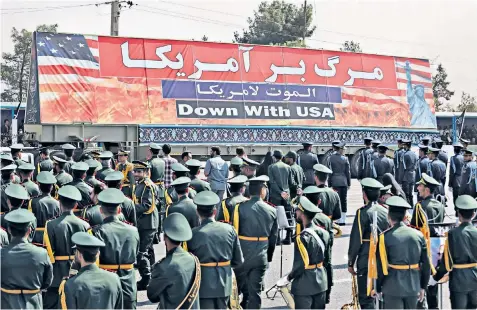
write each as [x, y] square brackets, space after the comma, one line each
[421, 295]
[284, 195]
[351, 270]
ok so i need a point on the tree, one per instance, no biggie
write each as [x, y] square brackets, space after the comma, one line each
[440, 87]
[278, 22]
[16, 65]
[205, 38]
[468, 103]
[351, 46]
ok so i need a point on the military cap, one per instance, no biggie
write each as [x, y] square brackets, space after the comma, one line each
[46, 177]
[277, 153]
[406, 141]
[20, 217]
[95, 154]
[240, 179]
[466, 202]
[177, 228]
[26, 167]
[6, 156]
[44, 150]
[59, 159]
[382, 147]
[422, 146]
[92, 163]
[376, 141]
[322, 168]
[112, 196]
[17, 147]
[335, 142]
[468, 152]
[236, 161]
[306, 205]
[399, 139]
[438, 140]
[68, 146]
[11, 167]
[371, 183]
[70, 192]
[249, 162]
[179, 167]
[123, 153]
[140, 165]
[427, 180]
[433, 150]
[181, 183]
[114, 176]
[85, 240]
[106, 155]
[426, 138]
[307, 143]
[154, 146]
[464, 141]
[341, 145]
[206, 200]
[291, 154]
[312, 190]
[193, 163]
[80, 166]
[458, 145]
[16, 191]
[385, 189]
[262, 178]
[368, 138]
[397, 202]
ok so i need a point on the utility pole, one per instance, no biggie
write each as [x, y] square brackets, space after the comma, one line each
[304, 25]
[115, 18]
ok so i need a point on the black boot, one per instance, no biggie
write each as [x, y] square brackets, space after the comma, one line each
[143, 283]
[288, 237]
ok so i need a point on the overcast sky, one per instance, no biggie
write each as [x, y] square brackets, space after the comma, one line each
[442, 31]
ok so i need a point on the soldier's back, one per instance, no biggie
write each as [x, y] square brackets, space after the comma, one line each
[158, 168]
[44, 208]
[32, 189]
[85, 191]
[92, 214]
[199, 185]
[339, 164]
[101, 174]
[186, 207]
[330, 203]
[128, 211]
[63, 178]
[307, 160]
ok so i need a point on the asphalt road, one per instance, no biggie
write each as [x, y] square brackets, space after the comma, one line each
[341, 292]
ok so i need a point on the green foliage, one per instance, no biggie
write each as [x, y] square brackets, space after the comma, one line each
[205, 38]
[468, 103]
[351, 46]
[16, 65]
[277, 22]
[440, 87]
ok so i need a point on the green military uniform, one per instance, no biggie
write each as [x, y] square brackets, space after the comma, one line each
[196, 184]
[128, 210]
[92, 287]
[236, 196]
[359, 244]
[433, 209]
[309, 276]
[57, 239]
[7, 170]
[403, 265]
[90, 175]
[121, 245]
[105, 170]
[184, 205]
[43, 207]
[43, 164]
[170, 194]
[252, 165]
[217, 247]
[68, 149]
[29, 185]
[157, 174]
[62, 177]
[330, 202]
[235, 166]
[176, 279]
[147, 222]
[15, 150]
[83, 188]
[255, 222]
[25, 268]
[460, 259]
[20, 194]
[298, 175]
[127, 170]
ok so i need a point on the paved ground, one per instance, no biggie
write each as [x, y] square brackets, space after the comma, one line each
[341, 293]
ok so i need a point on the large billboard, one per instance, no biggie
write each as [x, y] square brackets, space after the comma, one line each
[115, 80]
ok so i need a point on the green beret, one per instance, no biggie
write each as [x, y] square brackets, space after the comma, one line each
[306, 205]
[322, 168]
[177, 228]
[466, 202]
[236, 161]
[111, 196]
[80, 166]
[114, 176]
[68, 146]
[240, 179]
[26, 167]
[106, 155]
[397, 202]
[427, 180]
[16, 191]
[46, 177]
[371, 183]
[92, 163]
[193, 163]
[20, 216]
[179, 167]
[155, 146]
[83, 239]
[206, 200]
[11, 167]
[70, 192]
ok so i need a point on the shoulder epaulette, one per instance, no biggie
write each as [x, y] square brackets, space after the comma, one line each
[148, 183]
[270, 204]
[129, 223]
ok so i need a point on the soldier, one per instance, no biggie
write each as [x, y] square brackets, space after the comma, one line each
[178, 171]
[436, 169]
[93, 166]
[256, 225]
[79, 174]
[469, 175]
[62, 177]
[91, 288]
[425, 141]
[408, 162]
[402, 287]
[421, 166]
[121, 243]
[438, 143]
[194, 170]
[26, 171]
[237, 188]
[298, 176]
[57, 239]
[364, 158]
[7, 160]
[465, 143]
[374, 145]
[44, 162]
[127, 211]
[359, 243]
[249, 168]
[399, 173]
[126, 168]
[7, 177]
[381, 164]
[68, 150]
[16, 197]
[176, 278]
[92, 213]
[329, 201]
[16, 150]
[310, 281]
[25, 268]
[184, 204]
[307, 160]
[157, 169]
[455, 173]
[340, 179]
[44, 207]
[105, 158]
[147, 214]
[217, 247]
[460, 257]
[235, 166]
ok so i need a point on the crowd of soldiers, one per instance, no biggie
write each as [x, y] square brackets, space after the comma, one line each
[74, 232]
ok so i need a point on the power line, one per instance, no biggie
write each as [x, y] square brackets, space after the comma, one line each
[50, 8]
[199, 8]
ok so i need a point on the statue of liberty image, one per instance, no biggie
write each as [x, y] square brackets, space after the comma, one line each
[421, 114]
